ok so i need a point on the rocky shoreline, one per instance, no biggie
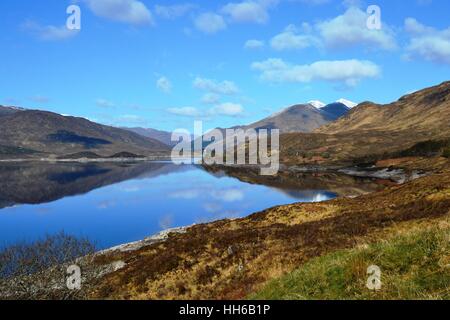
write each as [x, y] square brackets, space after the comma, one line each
[136, 245]
[395, 174]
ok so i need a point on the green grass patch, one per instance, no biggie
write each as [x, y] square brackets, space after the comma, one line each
[412, 267]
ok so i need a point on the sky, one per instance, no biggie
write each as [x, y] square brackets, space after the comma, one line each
[163, 64]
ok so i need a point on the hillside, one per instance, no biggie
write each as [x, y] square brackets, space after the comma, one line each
[300, 118]
[24, 183]
[425, 110]
[413, 267]
[231, 259]
[162, 136]
[34, 133]
[335, 110]
[415, 125]
[4, 110]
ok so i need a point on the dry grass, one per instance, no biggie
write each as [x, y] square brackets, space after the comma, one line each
[231, 259]
[413, 266]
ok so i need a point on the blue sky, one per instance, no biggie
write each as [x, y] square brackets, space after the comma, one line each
[163, 64]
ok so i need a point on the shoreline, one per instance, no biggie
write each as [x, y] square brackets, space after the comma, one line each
[87, 160]
[396, 175]
[161, 236]
[238, 257]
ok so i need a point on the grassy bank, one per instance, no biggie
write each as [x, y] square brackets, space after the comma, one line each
[232, 259]
[415, 266]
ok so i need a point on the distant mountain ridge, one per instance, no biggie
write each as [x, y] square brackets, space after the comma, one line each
[347, 103]
[319, 104]
[424, 110]
[335, 110]
[7, 110]
[34, 133]
[298, 118]
[160, 135]
[415, 125]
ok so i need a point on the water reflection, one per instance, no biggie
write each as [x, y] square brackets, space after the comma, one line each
[114, 203]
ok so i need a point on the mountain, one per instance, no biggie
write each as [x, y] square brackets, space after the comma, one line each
[425, 110]
[415, 125]
[317, 104]
[299, 118]
[347, 103]
[335, 110]
[42, 182]
[161, 136]
[34, 133]
[4, 111]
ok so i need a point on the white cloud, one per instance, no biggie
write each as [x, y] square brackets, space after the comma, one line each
[227, 109]
[188, 194]
[212, 207]
[210, 23]
[253, 44]
[229, 195]
[131, 120]
[40, 99]
[313, 2]
[414, 27]
[349, 72]
[291, 38]
[255, 11]
[350, 29]
[49, 33]
[104, 103]
[213, 86]
[164, 85]
[210, 98]
[185, 111]
[344, 31]
[124, 120]
[174, 11]
[428, 43]
[128, 11]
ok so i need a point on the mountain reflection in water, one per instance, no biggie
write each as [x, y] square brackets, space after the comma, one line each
[114, 203]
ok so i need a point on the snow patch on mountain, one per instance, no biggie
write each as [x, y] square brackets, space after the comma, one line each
[317, 104]
[348, 103]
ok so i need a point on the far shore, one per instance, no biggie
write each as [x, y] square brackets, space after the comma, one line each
[86, 160]
[398, 175]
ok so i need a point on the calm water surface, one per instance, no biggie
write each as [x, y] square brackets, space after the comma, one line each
[117, 203]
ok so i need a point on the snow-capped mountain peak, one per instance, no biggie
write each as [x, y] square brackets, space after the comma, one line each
[348, 103]
[317, 104]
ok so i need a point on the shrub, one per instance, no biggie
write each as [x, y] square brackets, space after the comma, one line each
[426, 148]
[38, 270]
[29, 258]
[446, 152]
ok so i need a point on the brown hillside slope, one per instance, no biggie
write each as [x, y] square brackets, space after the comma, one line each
[425, 110]
[375, 132]
[231, 258]
[36, 133]
[297, 118]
